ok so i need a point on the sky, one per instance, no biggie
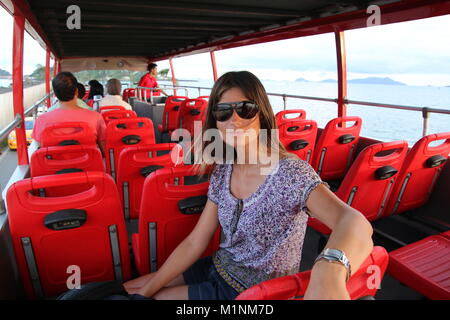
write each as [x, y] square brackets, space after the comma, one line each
[415, 53]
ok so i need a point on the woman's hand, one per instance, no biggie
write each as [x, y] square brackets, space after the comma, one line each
[327, 282]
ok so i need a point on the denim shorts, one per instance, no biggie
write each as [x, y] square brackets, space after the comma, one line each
[204, 283]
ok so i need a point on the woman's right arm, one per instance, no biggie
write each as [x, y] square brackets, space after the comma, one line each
[186, 253]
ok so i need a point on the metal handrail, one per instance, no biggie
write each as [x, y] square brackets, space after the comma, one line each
[425, 110]
[18, 119]
[144, 90]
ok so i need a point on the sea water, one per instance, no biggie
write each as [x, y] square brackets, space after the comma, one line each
[378, 123]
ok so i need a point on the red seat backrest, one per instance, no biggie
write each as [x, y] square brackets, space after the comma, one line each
[67, 133]
[127, 93]
[362, 283]
[336, 148]
[57, 160]
[419, 173]
[122, 133]
[299, 137]
[372, 177]
[118, 114]
[281, 116]
[51, 235]
[164, 196]
[192, 111]
[170, 113]
[111, 108]
[135, 164]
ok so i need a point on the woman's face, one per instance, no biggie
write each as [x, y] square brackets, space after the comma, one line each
[237, 131]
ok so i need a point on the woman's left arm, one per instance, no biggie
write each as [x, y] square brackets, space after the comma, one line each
[351, 233]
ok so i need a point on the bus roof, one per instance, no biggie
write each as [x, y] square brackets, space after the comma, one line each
[143, 31]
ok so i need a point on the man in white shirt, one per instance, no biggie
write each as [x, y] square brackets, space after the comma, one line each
[113, 97]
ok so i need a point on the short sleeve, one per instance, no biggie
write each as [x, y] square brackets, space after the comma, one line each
[308, 181]
[216, 183]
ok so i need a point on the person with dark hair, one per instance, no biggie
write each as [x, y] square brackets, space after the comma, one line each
[113, 97]
[95, 89]
[148, 80]
[262, 209]
[65, 87]
[80, 102]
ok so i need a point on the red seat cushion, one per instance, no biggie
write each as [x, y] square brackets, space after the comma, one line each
[424, 266]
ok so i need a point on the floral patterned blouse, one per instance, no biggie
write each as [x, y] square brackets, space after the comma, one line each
[263, 233]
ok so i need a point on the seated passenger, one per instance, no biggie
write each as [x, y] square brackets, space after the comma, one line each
[95, 89]
[113, 97]
[65, 88]
[80, 102]
[149, 80]
[263, 216]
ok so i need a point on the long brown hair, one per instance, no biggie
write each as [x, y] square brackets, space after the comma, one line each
[253, 89]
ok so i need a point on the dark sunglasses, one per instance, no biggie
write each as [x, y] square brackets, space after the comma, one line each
[244, 109]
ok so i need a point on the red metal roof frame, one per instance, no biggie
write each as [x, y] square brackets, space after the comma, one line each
[21, 7]
[391, 13]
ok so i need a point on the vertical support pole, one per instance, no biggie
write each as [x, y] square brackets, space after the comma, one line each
[17, 59]
[174, 80]
[342, 73]
[47, 77]
[55, 67]
[213, 62]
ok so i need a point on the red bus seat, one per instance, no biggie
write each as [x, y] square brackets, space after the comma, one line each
[134, 165]
[281, 116]
[128, 93]
[122, 133]
[51, 235]
[56, 160]
[169, 211]
[111, 108]
[108, 116]
[170, 113]
[67, 133]
[417, 177]
[361, 284]
[299, 137]
[192, 110]
[368, 182]
[335, 149]
[424, 266]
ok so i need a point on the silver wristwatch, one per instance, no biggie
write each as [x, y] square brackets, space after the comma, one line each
[337, 256]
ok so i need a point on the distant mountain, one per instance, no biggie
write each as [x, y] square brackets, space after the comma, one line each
[302, 80]
[4, 73]
[369, 80]
[376, 80]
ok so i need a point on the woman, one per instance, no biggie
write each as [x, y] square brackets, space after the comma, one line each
[263, 217]
[148, 80]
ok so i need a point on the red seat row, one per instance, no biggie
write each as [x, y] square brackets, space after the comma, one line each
[334, 151]
[86, 232]
[181, 113]
[394, 182]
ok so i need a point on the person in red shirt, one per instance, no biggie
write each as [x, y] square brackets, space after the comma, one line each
[65, 88]
[149, 80]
